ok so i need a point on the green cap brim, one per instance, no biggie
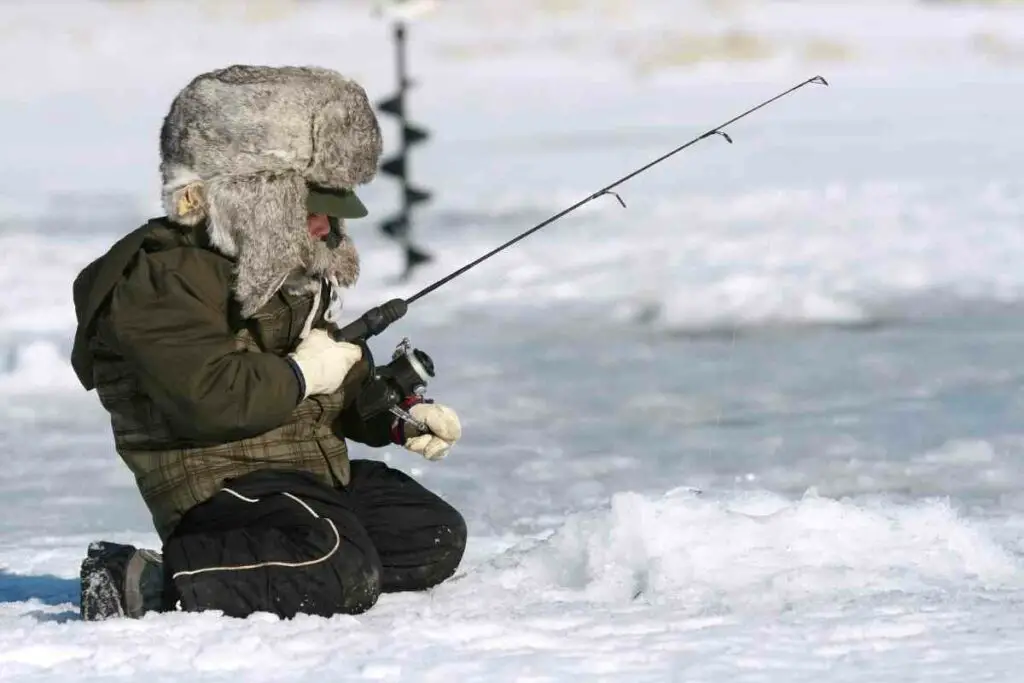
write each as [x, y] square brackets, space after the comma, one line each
[337, 203]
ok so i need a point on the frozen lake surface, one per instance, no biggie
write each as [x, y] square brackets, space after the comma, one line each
[763, 424]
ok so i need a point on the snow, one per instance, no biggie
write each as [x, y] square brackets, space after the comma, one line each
[639, 589]
[760, 425]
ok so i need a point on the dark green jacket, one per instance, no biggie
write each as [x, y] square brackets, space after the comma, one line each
[197, 394]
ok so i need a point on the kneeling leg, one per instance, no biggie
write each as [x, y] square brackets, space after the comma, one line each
[419, 538]
[249, 549]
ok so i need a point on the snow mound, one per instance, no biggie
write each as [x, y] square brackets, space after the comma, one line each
[757, 552]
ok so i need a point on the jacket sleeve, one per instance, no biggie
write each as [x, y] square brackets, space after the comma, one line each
[376, 431]
[169, 320]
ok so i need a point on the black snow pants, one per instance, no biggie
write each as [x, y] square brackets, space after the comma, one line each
[285, 543]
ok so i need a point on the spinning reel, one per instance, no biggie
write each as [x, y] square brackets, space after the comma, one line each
[387, 386]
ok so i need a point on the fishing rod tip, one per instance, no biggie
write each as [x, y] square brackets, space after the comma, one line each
[820, 80]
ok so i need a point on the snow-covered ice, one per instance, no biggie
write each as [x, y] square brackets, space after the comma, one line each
[763, 424]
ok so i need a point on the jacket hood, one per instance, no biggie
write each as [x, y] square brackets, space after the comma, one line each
[97, 280]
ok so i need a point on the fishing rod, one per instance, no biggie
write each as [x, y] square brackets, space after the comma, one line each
[378, 319]
[410, 368]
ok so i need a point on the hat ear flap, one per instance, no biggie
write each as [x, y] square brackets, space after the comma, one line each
[187, 205]
[261, 219]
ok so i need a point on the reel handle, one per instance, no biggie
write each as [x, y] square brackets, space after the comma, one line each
[371, 323]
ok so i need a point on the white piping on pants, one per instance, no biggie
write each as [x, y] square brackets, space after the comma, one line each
[260, 565]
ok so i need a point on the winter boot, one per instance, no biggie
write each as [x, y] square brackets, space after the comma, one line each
[120, 581]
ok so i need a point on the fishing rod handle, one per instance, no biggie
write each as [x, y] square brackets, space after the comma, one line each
[373, 322]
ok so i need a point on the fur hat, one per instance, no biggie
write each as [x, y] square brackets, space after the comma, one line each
[239, 149]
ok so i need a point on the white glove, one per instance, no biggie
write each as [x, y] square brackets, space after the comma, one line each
[444, 427]
[324, 362]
